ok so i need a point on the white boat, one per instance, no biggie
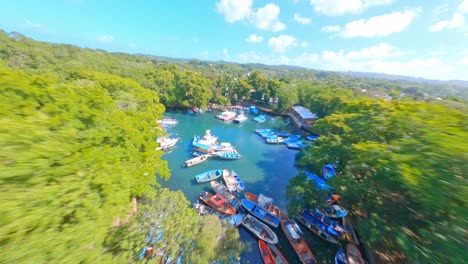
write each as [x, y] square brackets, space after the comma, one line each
[233, 181]
[167, 122]
[274, 140]
[226, 115]
[197, 160]
[207, 139]
[240, 118]
[166, 143]
[223, 146]
[229, 154]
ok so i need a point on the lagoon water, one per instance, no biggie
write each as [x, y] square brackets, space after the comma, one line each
[264, 168]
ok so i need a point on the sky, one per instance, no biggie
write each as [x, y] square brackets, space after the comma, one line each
[427, 38]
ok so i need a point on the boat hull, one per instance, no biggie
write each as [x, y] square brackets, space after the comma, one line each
[317, 228]
[197, 160]
[260, 213]
[220, 188]
[217, 202]
[208, 176]
[259, 229]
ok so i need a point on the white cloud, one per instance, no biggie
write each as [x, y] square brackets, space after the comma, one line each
[457, 21]
[380, 51]
[340, 7]
[464, 60]
[106, 39]
[304, 44]
[30, 25]
[234, 10]
[330, 29]
[254, 38]
[463, 7]
[226, 54]
[266, 18]
[379, 25]
[300, 19]
[281, 43]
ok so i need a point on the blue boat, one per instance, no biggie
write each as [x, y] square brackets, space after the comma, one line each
[334, 211]
[291, 139]
[263, 130]
[333, 227]
[229, 154]
[328, 171]
[252, 109]
[208, 176]
[312, 138]
[260, 118]
[282, 134]
[260, 212]
[234, 220]
[296, 145]
[316, 227]
[319, 182]
[340, 257]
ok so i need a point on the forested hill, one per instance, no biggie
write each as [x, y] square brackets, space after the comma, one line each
[18, 51]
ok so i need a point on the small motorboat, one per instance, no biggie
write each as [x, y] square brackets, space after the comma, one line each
[167, 122]
[208, 176]
[228, 154]
[166, 143]
[226, 116]
[259, 229]
[260, 119]
[270, 253]
[316, 227]
[233, 181]
[274, 140]
[296, 145]
[260, 212]
[240, 118]
[234, 220]
[196, 160]
[217, 202]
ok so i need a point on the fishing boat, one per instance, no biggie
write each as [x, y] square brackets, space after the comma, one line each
[208, 176]
[217, 202]
[260, 119]
[274, 140]
[196, 160]
[226, 116]
[262, 201]
[353, 255]
[270, 253]
[334, 211]
[328, 171]
[260, 212]
[233, 181]
[228, 154]
[319, 182]
[331, 226]
[220, 188]
[204, 210]
[259, 229]
[294, 235]
[240, 118]
[235, 220]
[296, 145]
[167, 122]
[166, 143]
[317, 227]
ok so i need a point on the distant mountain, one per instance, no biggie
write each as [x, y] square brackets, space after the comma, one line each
[459, 83]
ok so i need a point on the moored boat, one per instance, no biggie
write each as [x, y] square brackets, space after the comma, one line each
[260, 119]
[226, 116]
[228, 155]
[204, 210]
[235, 220]
[334, 211]
[262, 201]
[240, 118]
[277, 255]
[332, 226]
[265, 252]
[319, 182]
[274, 140]
[220, 188]
[353, 255]
[328, 171]
[233, 181]
[208, 176]
[283, 134]
[312, 138]
[340, 257]
[316, 227]
[166, 143]
[217, 202]
[294, 235]
[166, 122]
[197, 160]
[292, 139]
[296, 145]
[259, 229]
[260, 213]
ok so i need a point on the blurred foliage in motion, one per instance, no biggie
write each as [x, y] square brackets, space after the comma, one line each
[401, 169]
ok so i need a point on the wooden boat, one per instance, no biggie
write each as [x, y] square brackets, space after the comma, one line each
[240, 118]
[262, 201]
[259, 229]
[334, 211]
[235, 220]
[208, 176]
[166, 143]
[220, 188]
[353, 255]
[316, 227]
[293, 233]
[260, 213]
[229, 155]
[233, 181]
[260, 118]
[278, 256]
[331, 226]
[226, 116]
[270, 253]
[196, 160]
[328, 171]
[217, 202]
[204, 210]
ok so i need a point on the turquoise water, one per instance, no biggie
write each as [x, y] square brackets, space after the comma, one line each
[264, 168]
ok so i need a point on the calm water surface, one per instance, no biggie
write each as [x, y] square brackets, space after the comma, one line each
[264, 168]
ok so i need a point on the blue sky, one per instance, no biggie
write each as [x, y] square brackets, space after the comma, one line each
[416, 38]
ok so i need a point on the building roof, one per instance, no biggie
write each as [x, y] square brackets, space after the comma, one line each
[304, 112]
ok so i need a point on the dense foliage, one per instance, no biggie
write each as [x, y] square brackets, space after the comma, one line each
[401, 169]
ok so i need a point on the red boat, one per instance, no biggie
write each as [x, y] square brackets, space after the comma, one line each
[271, 254]
[293, 233]
[217, 202]
[353, 254]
